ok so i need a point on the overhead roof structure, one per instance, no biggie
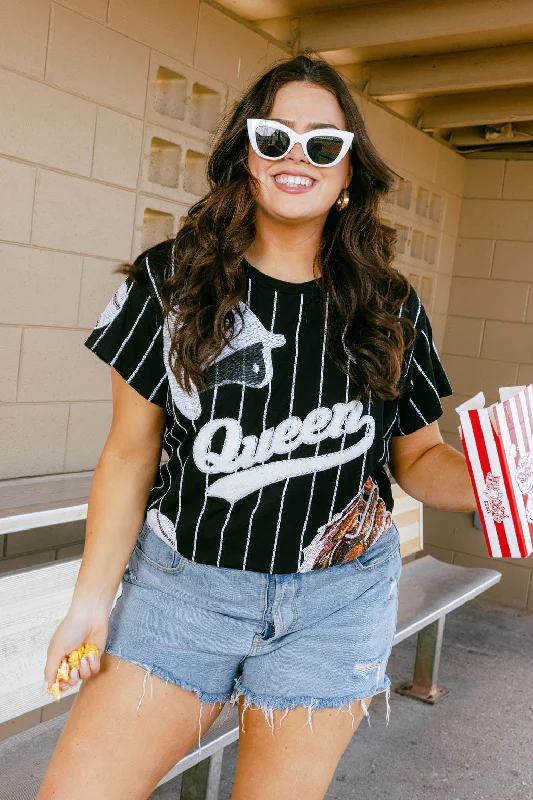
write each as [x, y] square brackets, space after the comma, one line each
[461, 70]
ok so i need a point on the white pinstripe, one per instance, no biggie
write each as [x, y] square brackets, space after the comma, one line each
[311, 493]
[143, 359]
[332, 506]
[112, 321]
[290, 453]
[130, 334]
[264, 427]
[206, 485]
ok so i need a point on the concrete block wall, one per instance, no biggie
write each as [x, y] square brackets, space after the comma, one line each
[107, 110]
[424, 206]
[108, 107]
[488, 339]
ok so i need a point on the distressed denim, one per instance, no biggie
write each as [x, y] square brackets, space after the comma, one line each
[318, 639]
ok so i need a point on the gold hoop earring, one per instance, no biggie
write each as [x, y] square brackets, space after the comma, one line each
[342, 200]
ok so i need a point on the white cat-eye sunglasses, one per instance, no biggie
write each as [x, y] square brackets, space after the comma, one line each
[324, 147]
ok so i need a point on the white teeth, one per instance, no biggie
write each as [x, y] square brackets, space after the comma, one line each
[293, 180]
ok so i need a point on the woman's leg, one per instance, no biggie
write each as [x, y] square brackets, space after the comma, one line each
[125, 730]
[294, 761]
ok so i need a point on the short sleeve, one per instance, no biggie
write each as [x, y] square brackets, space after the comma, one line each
[424, 382]
[129, 337]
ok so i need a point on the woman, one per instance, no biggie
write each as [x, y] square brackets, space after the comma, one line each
[286, 363]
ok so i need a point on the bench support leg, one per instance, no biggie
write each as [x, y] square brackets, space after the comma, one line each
[426, 673]
[202, 781]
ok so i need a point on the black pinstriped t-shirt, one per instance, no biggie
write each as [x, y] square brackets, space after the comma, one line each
[275, 467]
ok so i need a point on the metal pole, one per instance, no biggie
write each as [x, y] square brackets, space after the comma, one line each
[202, 781]
[426, 672]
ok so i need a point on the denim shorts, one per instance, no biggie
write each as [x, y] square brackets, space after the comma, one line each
[317, 639]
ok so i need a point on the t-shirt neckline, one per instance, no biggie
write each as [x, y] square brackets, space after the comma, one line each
[277, 284]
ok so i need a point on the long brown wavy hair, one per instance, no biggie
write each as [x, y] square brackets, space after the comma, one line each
[365, 337]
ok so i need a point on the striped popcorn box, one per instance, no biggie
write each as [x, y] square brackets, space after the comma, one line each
[498, 445]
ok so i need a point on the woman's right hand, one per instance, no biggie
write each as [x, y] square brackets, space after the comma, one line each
[81, 626]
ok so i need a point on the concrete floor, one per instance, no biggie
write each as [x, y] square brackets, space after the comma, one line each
[475, 744]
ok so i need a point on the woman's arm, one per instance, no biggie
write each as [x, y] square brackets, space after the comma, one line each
[119, 493]
[432, 471]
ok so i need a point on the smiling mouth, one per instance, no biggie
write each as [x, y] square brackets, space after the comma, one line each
[296, 182]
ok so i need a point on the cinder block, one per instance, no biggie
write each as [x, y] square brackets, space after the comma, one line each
[117, 148]
[463, 336]
[25, 562]
[19, 724]
[436, 206]
[45, 125]
[155, 221]
[39, 287]
[174, 166]
[163, 24]
[484, 178]
[109, 68]
[419, 154]
[508, 340]
[403, 193]
[473, 257]
[83, 216]
[497, 219]
[441, 297]
[17, 186]
[488, 299]
[513, 261]
[469, 376]
[55, 365]
[450, 171]
[98, 284]
[529, 313]
[158, 226]
[23, 36]
[183, 98]
[437, 552]
[24, 542]
[512, 589]
[386, 131]
[32, 439]
[525, 375]
[93, 8]
[88, 428]
[422, 201]
[446, 253]
[9, 359]
[238, 64]
[454, 531]
[452, 214]
[518, 181]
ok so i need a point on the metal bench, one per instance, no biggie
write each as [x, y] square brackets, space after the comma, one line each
[33, 601]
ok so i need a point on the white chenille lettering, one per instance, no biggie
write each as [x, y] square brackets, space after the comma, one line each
[316, 425]
[287, 435]
[206, 459]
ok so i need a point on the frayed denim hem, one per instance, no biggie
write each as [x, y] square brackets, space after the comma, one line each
[205, 698]
[269, 704]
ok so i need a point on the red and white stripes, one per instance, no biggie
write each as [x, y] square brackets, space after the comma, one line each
[496, 445]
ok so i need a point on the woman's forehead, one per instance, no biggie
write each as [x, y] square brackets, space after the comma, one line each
[307, 104]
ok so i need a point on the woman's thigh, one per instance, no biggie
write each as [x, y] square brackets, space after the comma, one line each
[124, 732]
[293, 760]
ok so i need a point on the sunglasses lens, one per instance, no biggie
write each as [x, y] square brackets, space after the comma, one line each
[271, 141]
[324, 149]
